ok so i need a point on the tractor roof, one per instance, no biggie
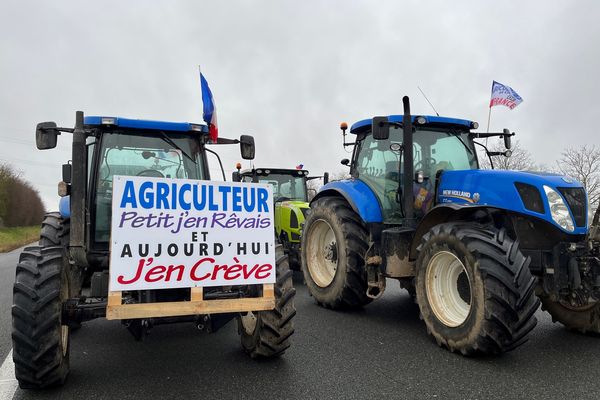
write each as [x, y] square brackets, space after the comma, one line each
[145, 124]
[365, 124]
[282, 171]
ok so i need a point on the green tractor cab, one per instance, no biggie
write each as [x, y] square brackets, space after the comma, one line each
[291, 203]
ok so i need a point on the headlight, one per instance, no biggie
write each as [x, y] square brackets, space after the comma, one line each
[558, 209]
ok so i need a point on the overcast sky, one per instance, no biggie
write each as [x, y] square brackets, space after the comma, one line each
[289, 72]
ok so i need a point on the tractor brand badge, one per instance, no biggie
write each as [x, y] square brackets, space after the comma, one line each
[461, 194]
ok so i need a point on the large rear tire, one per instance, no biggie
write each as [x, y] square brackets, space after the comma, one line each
[40, 340]
[267, 333]
[474, 289]
[55, 231]
[334, 244]
[585, 319]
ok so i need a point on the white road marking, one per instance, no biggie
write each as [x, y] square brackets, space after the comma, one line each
[8, 383]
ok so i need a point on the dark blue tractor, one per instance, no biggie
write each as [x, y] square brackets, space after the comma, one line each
[63, 281]
[478, 249]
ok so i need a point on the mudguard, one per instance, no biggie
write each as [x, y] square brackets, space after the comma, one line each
[360, 197]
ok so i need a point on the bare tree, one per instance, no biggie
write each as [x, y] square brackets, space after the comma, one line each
[583, 164]
[520, 159]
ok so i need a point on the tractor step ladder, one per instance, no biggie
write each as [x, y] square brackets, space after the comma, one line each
[197, 305]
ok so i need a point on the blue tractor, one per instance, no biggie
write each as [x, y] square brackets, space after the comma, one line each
[64, 280]
[477, 249]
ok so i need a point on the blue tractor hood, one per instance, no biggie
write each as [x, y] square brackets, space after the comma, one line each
[516, 191]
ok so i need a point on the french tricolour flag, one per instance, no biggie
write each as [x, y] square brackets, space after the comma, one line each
[209, 112]
[503, 95]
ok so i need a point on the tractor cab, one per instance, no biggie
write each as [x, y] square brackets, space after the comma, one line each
[104, 147]
[288, 184]
[439, 144]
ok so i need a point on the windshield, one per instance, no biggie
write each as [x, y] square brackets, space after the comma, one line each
[433, 150]
[285, 187]
[137, 155]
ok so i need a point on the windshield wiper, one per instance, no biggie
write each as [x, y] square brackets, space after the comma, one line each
[172, 143]
[457, 135]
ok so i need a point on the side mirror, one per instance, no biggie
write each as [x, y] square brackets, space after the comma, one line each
[45, 135]
[380, 128]
[66, 173]
[345, 161]
[247, 148]
[325, 178]
[507, 141]
[236, 177]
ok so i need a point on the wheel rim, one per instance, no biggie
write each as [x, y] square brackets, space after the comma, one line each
[448, 289]
[249, 322]
[64, 338]
[322, 253]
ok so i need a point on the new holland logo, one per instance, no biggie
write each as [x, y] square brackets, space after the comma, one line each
[462, 195]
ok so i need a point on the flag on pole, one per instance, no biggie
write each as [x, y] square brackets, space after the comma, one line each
[209, 112]
[503, 95]
[299, 166]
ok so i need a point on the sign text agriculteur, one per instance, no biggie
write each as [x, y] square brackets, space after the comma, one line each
[173, 233]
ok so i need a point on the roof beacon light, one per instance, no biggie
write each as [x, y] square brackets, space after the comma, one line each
[108, 121]
[421, 120]
[238, 166]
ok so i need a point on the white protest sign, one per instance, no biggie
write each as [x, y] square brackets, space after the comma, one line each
[174, 233]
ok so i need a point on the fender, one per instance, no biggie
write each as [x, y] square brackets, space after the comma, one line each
[358, 195]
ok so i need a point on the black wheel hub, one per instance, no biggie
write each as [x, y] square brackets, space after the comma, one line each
[464, 289]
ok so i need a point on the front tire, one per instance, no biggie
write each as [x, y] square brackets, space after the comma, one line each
[584, 319]
[40, 340]
[267, 333]
[474, 288]
[334, 243]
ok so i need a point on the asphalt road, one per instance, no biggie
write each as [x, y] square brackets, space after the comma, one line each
[382, 351]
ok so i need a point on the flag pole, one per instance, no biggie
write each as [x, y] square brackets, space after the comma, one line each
[488, 124]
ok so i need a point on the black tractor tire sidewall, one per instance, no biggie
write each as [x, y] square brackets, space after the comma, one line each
[335, 295]
[503, 300]
[30, 308]
[466, 331]
[273, 329]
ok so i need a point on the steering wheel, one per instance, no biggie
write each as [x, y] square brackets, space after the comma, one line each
[420, 164]
[151, 173]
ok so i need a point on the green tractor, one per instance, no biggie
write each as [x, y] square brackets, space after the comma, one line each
[291, 203]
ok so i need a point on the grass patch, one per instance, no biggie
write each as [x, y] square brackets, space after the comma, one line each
[13, 238]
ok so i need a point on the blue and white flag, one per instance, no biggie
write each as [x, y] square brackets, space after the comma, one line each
[503, 95]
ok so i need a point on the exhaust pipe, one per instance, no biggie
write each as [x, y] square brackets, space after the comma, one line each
[407, 140]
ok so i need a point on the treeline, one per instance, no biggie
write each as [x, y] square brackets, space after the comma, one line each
[20, 203]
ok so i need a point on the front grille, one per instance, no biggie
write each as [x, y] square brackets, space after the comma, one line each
[532, 200]
[577, 202]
